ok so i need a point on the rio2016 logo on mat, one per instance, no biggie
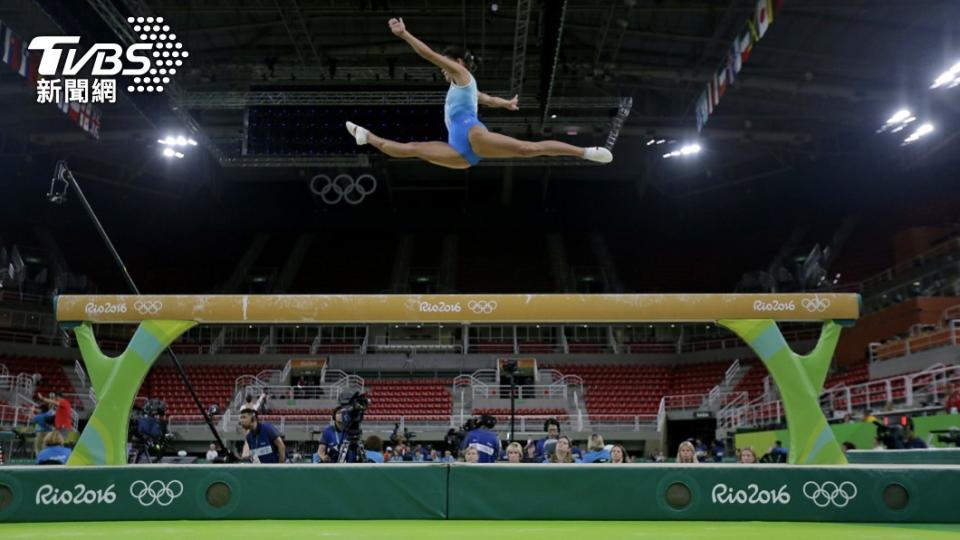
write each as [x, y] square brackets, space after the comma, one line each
[48, 495]
[724, 494]
[151, 62]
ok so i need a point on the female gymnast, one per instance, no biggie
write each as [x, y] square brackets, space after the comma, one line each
[468, 140]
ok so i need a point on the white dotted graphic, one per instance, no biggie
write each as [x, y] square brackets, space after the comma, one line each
[167, 52]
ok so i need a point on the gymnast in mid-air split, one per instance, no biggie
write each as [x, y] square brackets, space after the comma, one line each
[468, 140]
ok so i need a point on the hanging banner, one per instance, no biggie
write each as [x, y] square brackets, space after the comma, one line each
[756, 27]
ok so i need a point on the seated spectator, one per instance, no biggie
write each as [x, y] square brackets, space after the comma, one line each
[448, 457]
[212, 453]
[847, 446]
[618, 454]
[718, 451]
[514, 453]
[530, 453]
[434, 455]
[471, 455]
[373, 446]
[388, 455]
[418, 453]
[686, 453]
[747, 455]
[54, 453]
[563, 453]
[596, 453]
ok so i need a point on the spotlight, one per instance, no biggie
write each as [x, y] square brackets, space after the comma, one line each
[171, 153]
[898, 121]
[553, 116]
[651, 142]
[921, 131]
[899, 116]
[685, 150]
[494, 7]
[949, 78]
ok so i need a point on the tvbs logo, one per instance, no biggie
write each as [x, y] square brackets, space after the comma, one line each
[151, 61]
[107, 57]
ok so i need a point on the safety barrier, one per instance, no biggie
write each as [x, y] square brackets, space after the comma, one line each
[435, 491]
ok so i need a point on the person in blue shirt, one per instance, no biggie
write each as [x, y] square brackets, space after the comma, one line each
[42, 424]
[373, 447]
[596, 452]
[546, 445]
[263, 442]
[330, 440]
[912, 441]
[484, 440]
[54, 452]
[468, 140]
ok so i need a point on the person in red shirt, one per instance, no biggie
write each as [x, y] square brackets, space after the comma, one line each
[953, 399]
[62, 420]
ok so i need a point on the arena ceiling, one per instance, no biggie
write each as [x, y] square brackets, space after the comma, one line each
[815, 90]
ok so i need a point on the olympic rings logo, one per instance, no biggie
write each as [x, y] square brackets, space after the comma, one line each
[343, 188]
[830, 493]
[482, 306]
[156, 492]
[815, 304]
[148, 307]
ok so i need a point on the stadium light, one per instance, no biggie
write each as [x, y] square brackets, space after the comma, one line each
[179, 140]
[899, 116]
[898, 121]
[171, 153]
[949, 78]
[921, 131]
[685, 150]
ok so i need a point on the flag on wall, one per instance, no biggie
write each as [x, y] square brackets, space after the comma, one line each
[15, 53]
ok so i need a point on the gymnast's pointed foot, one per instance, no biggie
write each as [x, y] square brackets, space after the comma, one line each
[360, 133]
[598, 154]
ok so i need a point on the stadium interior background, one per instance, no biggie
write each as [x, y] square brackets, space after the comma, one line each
[798, 188]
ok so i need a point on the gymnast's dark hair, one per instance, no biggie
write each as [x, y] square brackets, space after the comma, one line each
[459, 53]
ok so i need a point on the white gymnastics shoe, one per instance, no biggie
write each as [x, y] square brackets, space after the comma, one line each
[360, 134]
[598, 154]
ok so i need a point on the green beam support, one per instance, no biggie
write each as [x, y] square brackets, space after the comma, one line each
[800, 381]
[116, 381]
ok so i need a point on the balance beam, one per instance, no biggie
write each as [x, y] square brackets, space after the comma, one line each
[487, 308]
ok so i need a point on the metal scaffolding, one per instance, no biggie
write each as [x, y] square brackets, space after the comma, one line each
[617, 123]
[297, 30]
[520, 35]
[240, 99]
[556, 61]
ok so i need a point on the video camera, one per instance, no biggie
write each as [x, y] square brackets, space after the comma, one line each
[892, 436]
[148, 433]
[952, 435]
[350, 415]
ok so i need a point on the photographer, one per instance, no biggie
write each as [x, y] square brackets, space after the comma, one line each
[483, 439]
[546, 445]
[263, 442]
[330, 439]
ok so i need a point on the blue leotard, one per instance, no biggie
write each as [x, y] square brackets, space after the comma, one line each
[460, 114]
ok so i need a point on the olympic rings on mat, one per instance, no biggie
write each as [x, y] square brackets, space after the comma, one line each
[156, 492]
[830, 493]
[343, 188]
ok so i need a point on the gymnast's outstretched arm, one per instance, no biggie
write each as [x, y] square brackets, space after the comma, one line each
[458, 73]
[498, 103]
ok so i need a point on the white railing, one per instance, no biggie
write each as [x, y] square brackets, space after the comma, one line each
[12, 416]
[81, 374]
[944, 337]
[623, 422]
[928, 385]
